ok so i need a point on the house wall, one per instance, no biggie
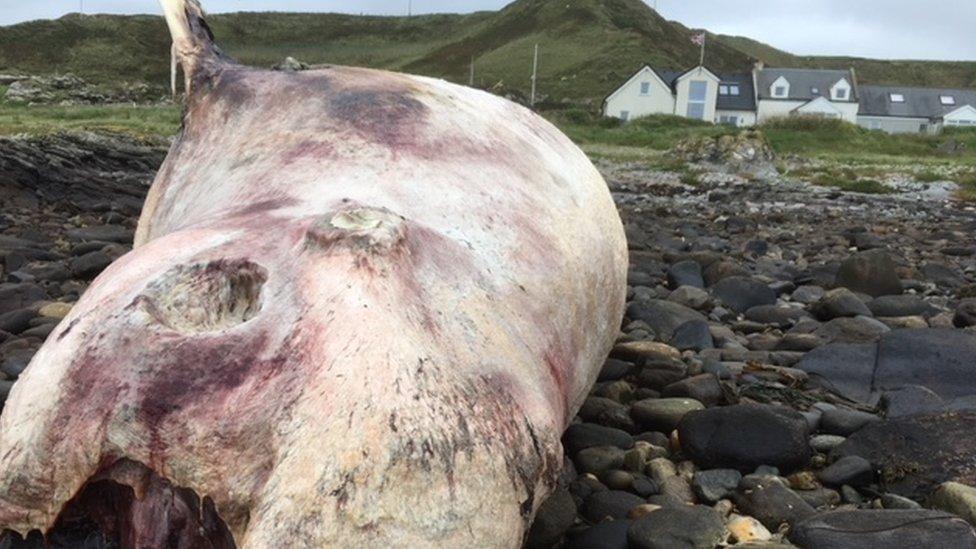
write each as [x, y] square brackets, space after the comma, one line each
[894, 124]
[747, 119]
[683, 87]
[628, 98]
[768, 109]
[961, 117]
[771, 108]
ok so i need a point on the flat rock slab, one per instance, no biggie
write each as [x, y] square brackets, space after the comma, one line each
[744, 437]
[915, 454]
[940, 360]
[888, 528]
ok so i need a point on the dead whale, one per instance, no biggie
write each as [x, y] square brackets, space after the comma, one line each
[361, 310]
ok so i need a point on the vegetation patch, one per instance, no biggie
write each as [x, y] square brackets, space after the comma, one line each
[851, 184]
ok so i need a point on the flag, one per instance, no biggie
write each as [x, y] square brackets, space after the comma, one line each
[698, 39]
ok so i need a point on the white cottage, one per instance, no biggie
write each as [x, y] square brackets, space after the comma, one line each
[792, 92]
[697, 93]
[897, 109]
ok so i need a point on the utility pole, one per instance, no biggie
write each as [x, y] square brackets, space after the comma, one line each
[471, 78]
[535, 73]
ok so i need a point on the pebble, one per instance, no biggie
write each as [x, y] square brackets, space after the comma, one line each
[663, 414]
[747, 530]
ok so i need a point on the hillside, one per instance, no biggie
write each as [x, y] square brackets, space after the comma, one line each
[949, 74]
[587, 47]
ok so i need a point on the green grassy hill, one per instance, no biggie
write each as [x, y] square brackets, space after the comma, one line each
[588, 47]
[949, 74]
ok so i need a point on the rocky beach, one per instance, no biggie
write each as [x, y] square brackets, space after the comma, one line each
[795, 367]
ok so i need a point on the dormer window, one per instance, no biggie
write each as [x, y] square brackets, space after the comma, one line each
[779, 91]
[840, 93]
[897, 98]
[645, 88]
[723, 90]
[948, 100]
[733, 90]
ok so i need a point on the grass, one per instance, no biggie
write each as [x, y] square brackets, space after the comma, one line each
[142, 120]
[852, 184]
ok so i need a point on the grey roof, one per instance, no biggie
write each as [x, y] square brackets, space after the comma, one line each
[802, 83]
[745, 101]
[919, 102]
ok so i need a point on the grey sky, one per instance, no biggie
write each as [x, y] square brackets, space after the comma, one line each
[894, 29]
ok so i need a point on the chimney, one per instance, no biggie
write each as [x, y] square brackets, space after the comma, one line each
[759, 65]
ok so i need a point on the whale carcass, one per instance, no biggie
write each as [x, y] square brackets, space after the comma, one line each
[361, 309]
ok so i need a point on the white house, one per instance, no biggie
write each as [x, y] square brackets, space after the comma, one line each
[791, 92]
[896, 109]
[697, 93]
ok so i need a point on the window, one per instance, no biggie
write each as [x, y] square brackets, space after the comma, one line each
[948, 100]
[840, 93]
[625, 115]
[723, 90]
[734, 89]
[780, 91]
[897, 98]
[645, 88]
[730, 120]
[815, 91]
[697, 92]
[875, 125]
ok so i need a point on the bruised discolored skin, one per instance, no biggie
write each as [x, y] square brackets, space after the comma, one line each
[362, 309]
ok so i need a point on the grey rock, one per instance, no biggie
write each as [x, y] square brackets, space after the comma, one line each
[614, 504]
[775, 315]
[840, 303]
[685, 273]
[715, 484]
[872, 272]
[580, 436]
[742, 293]
[19, 296]
[771, 502]
[554, 517]
[744, 437]
[606, 535]
[883, 528]
[808, 295]
[692, 527]
[860, 329]
[17, 321]
[662, 316]
[693, 335]
[844, 422]
[663, 414]
[598, 459]
[850, 470]
[896, 306]
[704, 388]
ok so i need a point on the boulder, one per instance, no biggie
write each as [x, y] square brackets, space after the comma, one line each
[915, 454]
[883, 528]
[741, 293]
[692, 527]
[872, 272]
[662, 316]
[744, 437]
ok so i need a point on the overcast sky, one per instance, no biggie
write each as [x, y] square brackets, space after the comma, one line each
[893, 29]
